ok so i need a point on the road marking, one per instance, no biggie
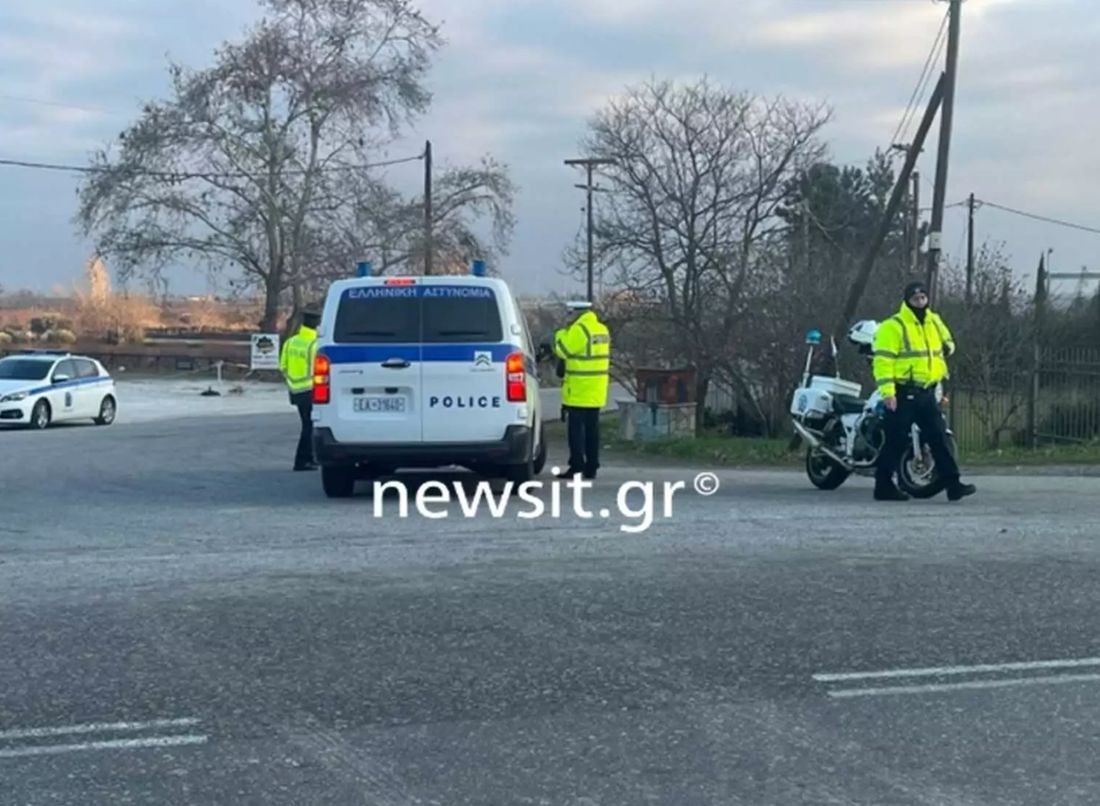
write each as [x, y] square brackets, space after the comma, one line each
[96, 727]
[936, 671]
[114, 744]
[930, 688]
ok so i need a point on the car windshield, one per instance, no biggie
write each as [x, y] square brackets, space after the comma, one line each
[24, 369]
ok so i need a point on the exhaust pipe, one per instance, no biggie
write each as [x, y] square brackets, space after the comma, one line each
[816, 443]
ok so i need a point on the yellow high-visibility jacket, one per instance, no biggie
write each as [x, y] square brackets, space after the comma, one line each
[906, 351]
[296, 360]
[585, 347]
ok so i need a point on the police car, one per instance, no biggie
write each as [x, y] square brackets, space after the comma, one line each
[424, 372]
[38, 388]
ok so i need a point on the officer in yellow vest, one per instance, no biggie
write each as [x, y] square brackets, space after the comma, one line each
[910, 358]
[584, 347]
[296, 364]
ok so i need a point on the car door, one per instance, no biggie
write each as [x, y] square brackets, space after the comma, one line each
[465, 355]
[89, 394]
[63, 393]
[375, 364]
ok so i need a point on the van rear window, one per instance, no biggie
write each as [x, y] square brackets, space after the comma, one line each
[387, 320]
[445, 317]
[456, 319]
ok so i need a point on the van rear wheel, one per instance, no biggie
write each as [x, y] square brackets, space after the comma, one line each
[540, 457]
[525, 471]
[338, 482]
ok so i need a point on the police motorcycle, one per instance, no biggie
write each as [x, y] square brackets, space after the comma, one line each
[844, 433]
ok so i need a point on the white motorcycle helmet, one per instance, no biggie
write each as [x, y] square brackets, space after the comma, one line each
[862, 334]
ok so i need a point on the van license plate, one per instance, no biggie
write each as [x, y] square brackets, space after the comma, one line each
[380, 404]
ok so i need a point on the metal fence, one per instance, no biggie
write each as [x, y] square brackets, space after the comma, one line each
[1067, 395]
[1055, 400]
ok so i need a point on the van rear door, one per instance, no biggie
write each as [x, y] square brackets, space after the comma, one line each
[464, 382]
[376, 365]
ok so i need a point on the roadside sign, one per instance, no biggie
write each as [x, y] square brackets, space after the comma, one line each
[265, 351]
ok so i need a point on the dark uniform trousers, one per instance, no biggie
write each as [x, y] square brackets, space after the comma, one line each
[304, 402]
[916, 405]
[584, 439]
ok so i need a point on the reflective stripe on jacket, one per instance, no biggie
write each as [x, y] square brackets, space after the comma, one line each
[296, 360]
[906, 351]
[585, 347]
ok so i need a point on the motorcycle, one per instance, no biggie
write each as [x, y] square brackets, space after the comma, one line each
[845, 433]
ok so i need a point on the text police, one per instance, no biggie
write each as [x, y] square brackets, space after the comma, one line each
[464, 402]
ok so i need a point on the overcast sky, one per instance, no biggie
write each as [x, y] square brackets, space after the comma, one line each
[518, 79]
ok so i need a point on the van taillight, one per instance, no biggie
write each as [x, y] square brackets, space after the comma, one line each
[516, 378]
[322, 391]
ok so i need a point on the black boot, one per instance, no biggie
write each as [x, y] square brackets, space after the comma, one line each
[957, 490]
[885, 490]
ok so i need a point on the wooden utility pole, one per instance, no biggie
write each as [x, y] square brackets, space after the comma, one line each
[914, 150]
[428, 207]
[915, 266]
[970, 251]
[935, 235]
[589, 163]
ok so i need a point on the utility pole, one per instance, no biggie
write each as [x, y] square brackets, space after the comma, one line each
[428, 207]
[970, 251]
[589, 163]
[915, 267]
[864, 274]
[935, 236]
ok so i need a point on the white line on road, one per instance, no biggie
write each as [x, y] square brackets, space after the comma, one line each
[931, 688]
[97, 727]
[935, 671]
[114, 744]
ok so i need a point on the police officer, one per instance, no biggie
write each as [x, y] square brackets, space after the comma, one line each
[910, 352]
[296, 363]
[584, 347]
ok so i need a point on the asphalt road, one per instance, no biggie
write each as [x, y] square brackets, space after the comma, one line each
[185, 621]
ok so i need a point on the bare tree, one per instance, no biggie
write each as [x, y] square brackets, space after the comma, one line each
[995, 338]
[249, 163]
[700, 172]
[377, 221]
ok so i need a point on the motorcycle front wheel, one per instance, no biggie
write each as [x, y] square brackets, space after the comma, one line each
[824, 473]
[917, 475]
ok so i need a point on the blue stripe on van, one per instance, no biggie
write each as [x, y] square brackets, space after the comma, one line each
[370, 353]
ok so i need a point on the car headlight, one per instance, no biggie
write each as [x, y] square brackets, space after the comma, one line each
[13, 397]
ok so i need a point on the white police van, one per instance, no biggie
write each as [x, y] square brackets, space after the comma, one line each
[424, 372]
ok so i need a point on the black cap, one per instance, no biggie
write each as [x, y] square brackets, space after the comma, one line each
[311, 317]
[913, 288]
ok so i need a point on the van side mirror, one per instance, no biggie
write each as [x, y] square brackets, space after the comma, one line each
[61, 378]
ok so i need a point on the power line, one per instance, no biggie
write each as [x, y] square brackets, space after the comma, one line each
[58, 104]
[922, 83]
[1037, 217]
[180, 175]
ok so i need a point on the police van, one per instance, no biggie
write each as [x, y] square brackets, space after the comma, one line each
[424, 372]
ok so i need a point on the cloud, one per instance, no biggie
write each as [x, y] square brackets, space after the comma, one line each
[520, 79]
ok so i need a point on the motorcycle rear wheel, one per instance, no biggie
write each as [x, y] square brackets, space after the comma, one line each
[823, 472]
[917, 476]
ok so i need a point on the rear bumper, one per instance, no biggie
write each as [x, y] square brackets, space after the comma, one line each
[512, 449]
